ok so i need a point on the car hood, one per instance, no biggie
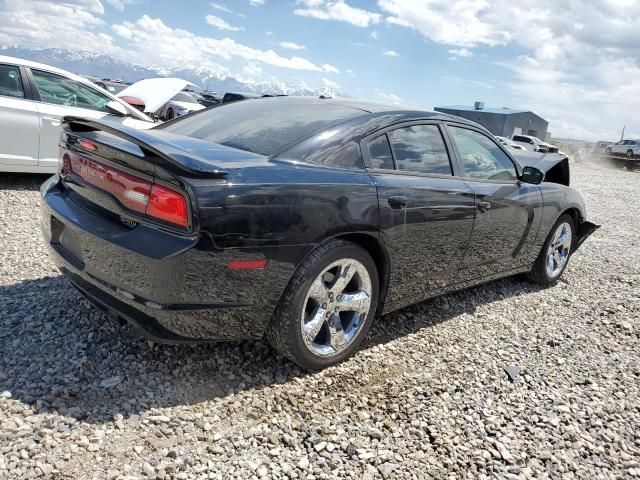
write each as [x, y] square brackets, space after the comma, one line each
[555, 165]
[155, 92]
[192, 107]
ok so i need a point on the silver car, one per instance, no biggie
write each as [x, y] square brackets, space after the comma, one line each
[34, 98]
[628, 148]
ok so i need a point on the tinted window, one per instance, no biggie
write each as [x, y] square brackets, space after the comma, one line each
[420, 148]
[10, 82]
[380, 153]
[266, 126]
[481, 157]
[64, 91]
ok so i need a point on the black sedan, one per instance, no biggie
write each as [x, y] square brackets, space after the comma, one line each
[300, 219]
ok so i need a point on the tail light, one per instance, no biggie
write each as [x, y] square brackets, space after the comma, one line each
[135, 193]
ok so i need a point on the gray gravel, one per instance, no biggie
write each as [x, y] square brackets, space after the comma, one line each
[501, 381]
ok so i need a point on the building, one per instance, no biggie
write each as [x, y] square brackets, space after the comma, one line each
[501, 121]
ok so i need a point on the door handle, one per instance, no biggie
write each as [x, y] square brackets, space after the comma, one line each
[398, 201]
[484, 206]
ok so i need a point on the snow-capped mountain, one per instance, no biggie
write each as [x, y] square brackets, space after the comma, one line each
[105, 66]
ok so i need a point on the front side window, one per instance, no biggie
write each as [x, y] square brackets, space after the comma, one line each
[64, 91]
[482, 158]
[420, 149]
[10, 82]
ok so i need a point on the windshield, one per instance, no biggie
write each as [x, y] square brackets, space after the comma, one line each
[265, 126]
[183, 97]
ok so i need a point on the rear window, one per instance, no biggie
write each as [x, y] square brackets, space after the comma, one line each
[265, 126]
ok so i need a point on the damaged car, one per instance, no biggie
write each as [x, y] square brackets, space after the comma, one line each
[162, 98]
[299, 219]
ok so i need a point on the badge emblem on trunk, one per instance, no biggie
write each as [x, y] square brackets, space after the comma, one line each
[128, 222]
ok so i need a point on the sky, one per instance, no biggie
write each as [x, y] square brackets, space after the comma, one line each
[576, 63]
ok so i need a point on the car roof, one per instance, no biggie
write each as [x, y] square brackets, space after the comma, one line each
[41, 66]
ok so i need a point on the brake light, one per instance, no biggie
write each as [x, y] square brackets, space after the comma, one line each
[168, 205]
[135, 193]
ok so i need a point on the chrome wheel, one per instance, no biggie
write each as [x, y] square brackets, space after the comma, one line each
[559, 250]
[336, 307]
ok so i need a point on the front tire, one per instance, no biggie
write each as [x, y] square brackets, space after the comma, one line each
[170, 114]
[328, 306]
[554, 256]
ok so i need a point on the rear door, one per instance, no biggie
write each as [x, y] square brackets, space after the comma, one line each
[426, 212]
[506, 220]
[59, 96]
[19, 134]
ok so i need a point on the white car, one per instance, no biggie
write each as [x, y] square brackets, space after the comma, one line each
[534, 143]
[163, 97]
[34, 98]
[507, 142]
[628, 148]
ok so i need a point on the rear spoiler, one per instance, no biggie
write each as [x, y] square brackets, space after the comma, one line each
[152, 145]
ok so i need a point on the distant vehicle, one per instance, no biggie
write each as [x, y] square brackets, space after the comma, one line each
[507, 142]
[179, 105]
[163, 98]
[204, 100]
[33, 99]
[629, 148]
[232, 97]
[112, 86]
[534, 143]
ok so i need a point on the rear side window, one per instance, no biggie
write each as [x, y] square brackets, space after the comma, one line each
[421, 149]
[380, 153]
[481, 157]
[266, 126]
[517, 138]
[10, 82]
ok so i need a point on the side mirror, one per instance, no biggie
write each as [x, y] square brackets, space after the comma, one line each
[532, 175]
[117, 108]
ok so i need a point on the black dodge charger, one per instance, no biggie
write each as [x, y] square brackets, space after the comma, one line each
[298, 218]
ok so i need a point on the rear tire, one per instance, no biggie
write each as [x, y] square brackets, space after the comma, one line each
[555, 254]
[608, 151]
[328, 306]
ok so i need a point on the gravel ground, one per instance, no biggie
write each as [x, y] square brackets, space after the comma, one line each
[427, 397]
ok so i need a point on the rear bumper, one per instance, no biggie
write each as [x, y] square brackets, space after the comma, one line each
[175, 289]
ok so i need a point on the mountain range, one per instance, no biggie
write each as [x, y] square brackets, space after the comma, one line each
[104, 66]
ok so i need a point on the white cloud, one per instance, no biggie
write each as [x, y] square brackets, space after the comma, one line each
[390, 53]
[337, 10]
[69, 24]
[120, 4]
[330, 84]
[374, 35]
[579, 56]
[351, 73]
[292, 46]
[389, 97]
[221, 7]
[461, 52]
[147, 38]
[330, 68]
[220, 24]
[256, 2]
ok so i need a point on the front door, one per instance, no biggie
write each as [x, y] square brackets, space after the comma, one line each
[426, 213]
[20, 131]
[59, 97]
[507, 210]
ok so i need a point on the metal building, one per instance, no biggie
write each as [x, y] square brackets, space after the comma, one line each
[501, 121]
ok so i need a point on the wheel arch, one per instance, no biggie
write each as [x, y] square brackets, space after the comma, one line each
[380, 256]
